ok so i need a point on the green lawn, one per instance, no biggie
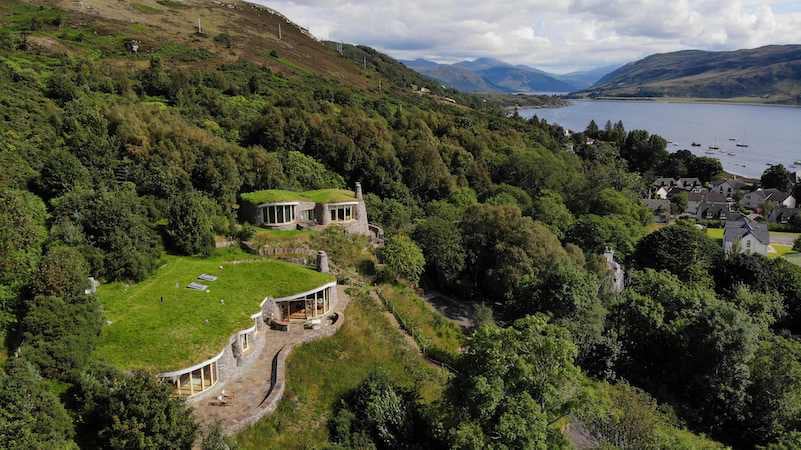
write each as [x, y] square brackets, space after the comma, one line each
[321, 372]
[281, 235]
[428, 326]
[318, 196]
[715, 233]
[794, 258]
[781, 251]
[191, 326]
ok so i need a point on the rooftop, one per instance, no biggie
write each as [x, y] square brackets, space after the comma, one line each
[191, 326]
[741, 227]
[318, 196]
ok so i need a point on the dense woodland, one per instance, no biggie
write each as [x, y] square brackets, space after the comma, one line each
[108, 166]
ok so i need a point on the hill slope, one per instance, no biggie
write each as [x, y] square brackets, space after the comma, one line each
[253, 33]
[769, 74]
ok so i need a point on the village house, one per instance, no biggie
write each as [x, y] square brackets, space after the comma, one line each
[664, 182]
[616, 270]
[783, 215]
[729, 187]
[713, 211]
[662, 192]
[746, 236]
[710, 198]
[757, 199]
[689, 183]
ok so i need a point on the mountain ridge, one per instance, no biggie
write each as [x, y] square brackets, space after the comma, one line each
[493, 75]
[769, 74]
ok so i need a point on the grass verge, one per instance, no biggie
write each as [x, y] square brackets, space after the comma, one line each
[319, 373]
[435, 335]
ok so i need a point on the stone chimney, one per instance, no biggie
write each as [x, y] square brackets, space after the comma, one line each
[609, 254]
[359, 191]
[322, 262]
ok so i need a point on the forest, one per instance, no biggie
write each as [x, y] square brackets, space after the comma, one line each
[107, 167]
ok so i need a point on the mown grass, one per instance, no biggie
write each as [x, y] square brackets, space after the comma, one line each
[321, 372]
[431, 330]
[715, 233]
[190, 326]
[781, 251]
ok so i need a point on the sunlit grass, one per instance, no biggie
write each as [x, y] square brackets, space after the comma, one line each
[321, 372]
[160, 324]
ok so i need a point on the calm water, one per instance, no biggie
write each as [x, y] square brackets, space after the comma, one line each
[773, 133]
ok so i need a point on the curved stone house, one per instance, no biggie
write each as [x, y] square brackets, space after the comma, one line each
[288, 210]
[197, 321]
[243, 345]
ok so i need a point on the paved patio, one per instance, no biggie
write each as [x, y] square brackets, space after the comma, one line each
[258, 388]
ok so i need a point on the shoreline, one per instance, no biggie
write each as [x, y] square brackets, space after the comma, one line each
[693, 100]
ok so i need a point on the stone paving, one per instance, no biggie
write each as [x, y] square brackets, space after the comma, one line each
[258, 388]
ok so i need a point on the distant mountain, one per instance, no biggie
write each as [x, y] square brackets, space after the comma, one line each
[586, 78]
[519, 79]
[493, 75]
[769, 74]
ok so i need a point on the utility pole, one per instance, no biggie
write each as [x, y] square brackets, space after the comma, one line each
[364, 63]
[280, 35]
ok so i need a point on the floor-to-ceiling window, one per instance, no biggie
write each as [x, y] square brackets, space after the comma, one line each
[278, 214]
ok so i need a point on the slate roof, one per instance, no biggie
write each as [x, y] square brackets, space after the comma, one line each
[779, 213]
[715, 209]
[655, 203]
[775, 195]
[738, 229]
[734, 183]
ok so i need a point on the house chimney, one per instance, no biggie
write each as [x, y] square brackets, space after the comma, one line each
[609, 254]
[322, 262]
[359, 191]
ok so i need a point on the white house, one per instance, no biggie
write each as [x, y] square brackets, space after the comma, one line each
[746, 236]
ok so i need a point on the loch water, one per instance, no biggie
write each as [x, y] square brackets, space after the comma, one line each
[772, 133]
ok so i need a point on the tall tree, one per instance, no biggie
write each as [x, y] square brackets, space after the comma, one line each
[189, 224]
[513, 383]
[777, 177]
[137, 411]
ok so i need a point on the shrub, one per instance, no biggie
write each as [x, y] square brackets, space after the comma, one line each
[30, 415]
[403, 258]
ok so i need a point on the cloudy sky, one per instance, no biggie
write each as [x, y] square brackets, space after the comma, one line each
[556, 35]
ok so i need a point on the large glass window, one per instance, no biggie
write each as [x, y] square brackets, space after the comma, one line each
[278, 214]
[317, 304]
[196, 381]
[341, 213]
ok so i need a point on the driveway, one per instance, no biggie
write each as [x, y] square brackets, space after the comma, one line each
[461, 313]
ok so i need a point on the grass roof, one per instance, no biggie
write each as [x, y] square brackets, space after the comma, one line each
[318, 196]
[191, 326]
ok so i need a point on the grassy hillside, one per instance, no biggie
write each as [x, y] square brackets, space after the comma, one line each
[770, 74]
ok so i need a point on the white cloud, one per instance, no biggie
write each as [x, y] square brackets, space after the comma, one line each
[559, 35]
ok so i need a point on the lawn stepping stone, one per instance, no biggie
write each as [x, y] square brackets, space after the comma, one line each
[206, 277]
[197, 286]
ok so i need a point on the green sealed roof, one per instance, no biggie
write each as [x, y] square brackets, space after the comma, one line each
[191, 326]
[318, 196]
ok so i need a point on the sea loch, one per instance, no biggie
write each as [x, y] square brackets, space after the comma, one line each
[772, 133]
